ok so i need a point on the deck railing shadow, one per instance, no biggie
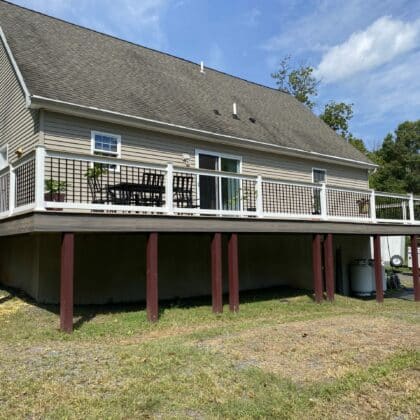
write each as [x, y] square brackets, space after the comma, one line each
[4, 299]
[13, 293]
[85, 313]
[281, 293]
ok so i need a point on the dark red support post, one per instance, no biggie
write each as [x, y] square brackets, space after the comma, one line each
[233, 272]
[66, 282]
[415, 261]
[216, 273]
[378, 268]
[152, 305]
[329, 266]
[317, 267]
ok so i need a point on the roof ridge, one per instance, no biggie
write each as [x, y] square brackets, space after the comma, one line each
[143, 46]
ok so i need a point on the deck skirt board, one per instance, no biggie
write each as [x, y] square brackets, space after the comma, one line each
[60, 222]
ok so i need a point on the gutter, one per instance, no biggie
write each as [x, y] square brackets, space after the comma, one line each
[16, 69]
[84, 111]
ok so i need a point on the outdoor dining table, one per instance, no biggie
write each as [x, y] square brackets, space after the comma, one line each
[136, 193]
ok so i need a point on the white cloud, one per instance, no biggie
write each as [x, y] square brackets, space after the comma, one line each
[141, 19]
[378, 44]
[382, 98]
[311, 28]
[394, 90]
[383, 95]
[134, 20]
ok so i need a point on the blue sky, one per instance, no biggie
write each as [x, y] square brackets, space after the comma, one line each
[366, 52]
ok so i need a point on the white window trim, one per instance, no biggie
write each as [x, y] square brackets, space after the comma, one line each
[6, 148]
[319, 169]
[220, 155]
[116, 154]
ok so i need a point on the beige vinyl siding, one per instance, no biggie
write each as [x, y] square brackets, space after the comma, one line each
[73, 134]
[18, 125]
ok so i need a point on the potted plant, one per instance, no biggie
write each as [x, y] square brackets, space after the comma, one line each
[55, 191]
[363, 204]
[93, 175]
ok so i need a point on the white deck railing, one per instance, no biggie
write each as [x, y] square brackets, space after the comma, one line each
[49, 180]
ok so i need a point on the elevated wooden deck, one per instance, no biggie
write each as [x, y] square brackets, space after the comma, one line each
[52, 191]
[47, 222]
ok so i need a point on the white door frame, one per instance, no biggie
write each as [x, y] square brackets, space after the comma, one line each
[219, 155]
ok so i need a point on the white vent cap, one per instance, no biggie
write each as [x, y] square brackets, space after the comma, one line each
[235, 109]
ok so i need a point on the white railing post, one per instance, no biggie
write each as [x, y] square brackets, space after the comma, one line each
[259, 200]
[39, 177]
[411, 208]
[12, 190]
[404, 212]
[169, 188]
[373, 206]
[323, 199]
[219, 195]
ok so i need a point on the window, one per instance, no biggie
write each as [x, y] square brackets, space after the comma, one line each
[319, 175]
[3, 156]
[108, 145]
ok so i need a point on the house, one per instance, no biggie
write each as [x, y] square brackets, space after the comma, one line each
[128, 162]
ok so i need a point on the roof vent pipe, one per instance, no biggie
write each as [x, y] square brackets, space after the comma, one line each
[235, 110]
[202, 67]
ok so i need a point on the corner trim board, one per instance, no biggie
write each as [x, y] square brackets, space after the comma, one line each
[16, 68]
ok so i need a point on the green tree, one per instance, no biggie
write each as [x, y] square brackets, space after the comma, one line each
[299, 81]
[337, 115]
[399, 160]
[358, 144]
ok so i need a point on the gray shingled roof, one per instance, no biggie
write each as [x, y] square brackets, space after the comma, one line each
[62, 61]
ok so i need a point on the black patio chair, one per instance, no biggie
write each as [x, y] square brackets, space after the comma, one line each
[119, 196]
[183, 191]
[152, 189]
[97, 190]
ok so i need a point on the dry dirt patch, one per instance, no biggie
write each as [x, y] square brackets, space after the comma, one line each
[11, 306]
[317, 350]
[395, 397]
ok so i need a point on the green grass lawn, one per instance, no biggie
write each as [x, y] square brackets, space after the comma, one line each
[281, 356]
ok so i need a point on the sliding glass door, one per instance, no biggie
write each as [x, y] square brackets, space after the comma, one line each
[318, 177]
[231, 188]
[215, 192]
[209, 185]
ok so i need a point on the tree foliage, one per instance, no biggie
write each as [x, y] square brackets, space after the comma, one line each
[399, 160]
[398, 157]
[299, 81]
[337, 115]
[359, 144]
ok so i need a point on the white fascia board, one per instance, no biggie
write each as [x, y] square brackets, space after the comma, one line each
[16, 68]
[84, 111]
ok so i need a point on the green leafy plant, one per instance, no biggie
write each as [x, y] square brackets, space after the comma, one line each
[53, 186]
[96, 171]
